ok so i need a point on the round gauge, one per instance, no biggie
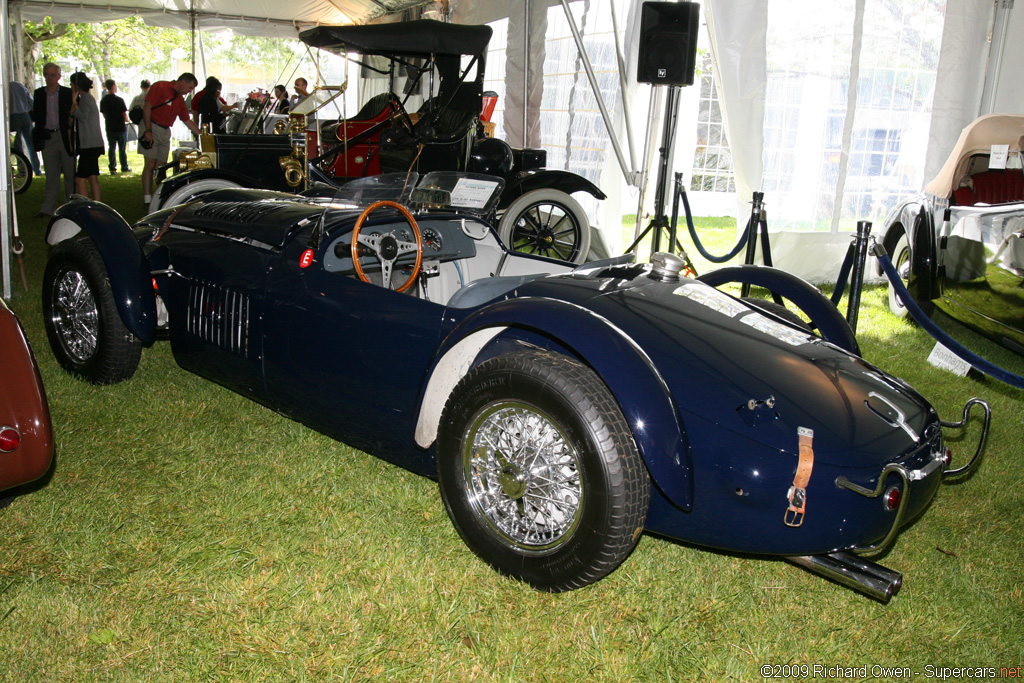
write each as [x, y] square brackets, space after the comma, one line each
[431, 239]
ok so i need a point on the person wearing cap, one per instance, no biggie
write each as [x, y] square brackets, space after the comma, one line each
[165, 102]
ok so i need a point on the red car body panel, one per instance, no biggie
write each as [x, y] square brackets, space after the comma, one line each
[23, 407]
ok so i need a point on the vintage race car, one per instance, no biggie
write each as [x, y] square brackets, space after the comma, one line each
[960, 245]
[26, 436]
[563, 409]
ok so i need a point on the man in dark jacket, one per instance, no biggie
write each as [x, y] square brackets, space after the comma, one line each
[51, 113]
[115, 121]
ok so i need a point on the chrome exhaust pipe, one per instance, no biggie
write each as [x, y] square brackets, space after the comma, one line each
[864, 576]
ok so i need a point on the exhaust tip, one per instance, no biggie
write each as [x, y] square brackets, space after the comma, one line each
[864, 576]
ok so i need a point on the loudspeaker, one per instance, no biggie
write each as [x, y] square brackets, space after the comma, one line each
[668, 43]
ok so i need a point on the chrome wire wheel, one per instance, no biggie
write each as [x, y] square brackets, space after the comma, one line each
[523, 477]
[75, 316]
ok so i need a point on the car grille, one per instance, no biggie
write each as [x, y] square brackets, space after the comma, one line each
[220, 316]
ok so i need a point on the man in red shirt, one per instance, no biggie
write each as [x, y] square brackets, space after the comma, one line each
[165, 102]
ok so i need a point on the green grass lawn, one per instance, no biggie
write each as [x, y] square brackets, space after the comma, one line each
[191, 535]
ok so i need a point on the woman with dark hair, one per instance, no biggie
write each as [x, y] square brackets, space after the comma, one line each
[280, 100]
[209, 107]
[86, 117]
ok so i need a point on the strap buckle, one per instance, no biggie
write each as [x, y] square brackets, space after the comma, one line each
[794, 515]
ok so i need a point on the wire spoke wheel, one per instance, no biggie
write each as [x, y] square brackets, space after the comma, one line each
[548, 223]
[75, 316]
[21, 172]
[524, 477]
[539, 471]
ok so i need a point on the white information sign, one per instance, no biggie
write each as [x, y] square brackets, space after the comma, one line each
[944, 359]
[472, 194]
[997, 157]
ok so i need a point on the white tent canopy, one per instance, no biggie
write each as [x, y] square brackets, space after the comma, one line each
[272, 18]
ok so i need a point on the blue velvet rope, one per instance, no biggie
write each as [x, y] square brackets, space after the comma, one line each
[976, 361]
[696, 240]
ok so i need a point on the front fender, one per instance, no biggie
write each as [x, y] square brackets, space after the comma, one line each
[629, 373]
[527, 181]
[126, 266]
[916, 221]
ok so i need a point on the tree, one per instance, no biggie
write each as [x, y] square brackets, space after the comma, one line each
[100, 48]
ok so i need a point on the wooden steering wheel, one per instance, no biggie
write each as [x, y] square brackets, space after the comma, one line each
[386, 246]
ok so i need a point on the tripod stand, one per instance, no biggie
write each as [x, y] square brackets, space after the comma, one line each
[659, 221]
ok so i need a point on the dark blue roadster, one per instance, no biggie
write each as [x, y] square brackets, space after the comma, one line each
[563, 409]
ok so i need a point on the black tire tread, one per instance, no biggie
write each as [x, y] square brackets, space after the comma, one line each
[118, 350]
[581, 386]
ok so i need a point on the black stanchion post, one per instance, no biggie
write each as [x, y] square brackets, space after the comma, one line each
[756, 208]
[857, 276]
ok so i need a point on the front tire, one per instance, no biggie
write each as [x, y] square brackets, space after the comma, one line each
[549, 223]
[539, 472]
[83, 326]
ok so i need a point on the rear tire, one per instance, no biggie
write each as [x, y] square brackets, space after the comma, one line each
[539, 472]
[83, 326]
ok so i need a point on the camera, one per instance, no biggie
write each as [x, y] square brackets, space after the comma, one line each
[145, 144]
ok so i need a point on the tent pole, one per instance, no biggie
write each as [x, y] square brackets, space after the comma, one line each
[526, 74]
[632, 176]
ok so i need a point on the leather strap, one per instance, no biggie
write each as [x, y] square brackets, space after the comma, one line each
[797, 494]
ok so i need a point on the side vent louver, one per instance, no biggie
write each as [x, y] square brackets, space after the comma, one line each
[241, 212]
[220, 316]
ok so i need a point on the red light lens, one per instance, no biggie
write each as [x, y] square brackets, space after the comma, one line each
[9, 439]
[892, 499]
[947, 459]
[307, 258]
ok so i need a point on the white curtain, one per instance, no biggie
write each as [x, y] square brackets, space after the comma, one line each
[962, 67]
[829, 109]
[738, 31]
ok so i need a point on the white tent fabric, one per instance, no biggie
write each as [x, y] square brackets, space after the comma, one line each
[272, 18]
[739, 32]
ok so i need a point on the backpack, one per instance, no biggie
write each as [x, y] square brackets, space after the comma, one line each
[135, 114]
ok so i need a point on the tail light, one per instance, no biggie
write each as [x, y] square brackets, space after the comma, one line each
[947, 459]
[891, 499]
[9, 439]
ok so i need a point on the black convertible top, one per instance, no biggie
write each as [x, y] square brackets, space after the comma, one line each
[418, 37]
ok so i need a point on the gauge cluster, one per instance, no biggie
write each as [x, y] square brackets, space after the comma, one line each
[442, 241]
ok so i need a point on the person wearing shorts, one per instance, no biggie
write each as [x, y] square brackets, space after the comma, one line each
[90, 140]
[165, 102]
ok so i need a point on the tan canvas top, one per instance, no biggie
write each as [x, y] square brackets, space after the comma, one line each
[977, 138]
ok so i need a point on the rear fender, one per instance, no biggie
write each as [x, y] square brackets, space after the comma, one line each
[629, 373]
[122, 255]
[917, 223]
[527, 181]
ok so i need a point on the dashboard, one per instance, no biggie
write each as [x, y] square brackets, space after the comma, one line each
[443, 240]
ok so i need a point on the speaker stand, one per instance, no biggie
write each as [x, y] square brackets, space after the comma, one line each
[659, 221]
